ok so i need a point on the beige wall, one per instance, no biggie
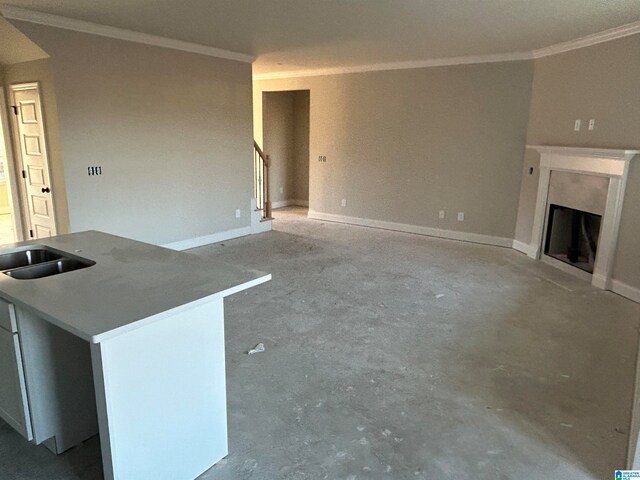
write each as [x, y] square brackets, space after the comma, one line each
[402, 145]
[601, 82]
[300, 177]
[171, 130]
[285, 117]
[40, 71]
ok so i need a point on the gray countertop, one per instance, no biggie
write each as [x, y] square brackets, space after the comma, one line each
[131, 284]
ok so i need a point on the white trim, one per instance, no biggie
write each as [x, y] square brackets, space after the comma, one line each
[610, 163]
[417, 229]
[208, 239]
[16, 13]
[11, 174]
[586, 41]
[627, 291]
[377, 67]
[612, 153]
[526, 248]
[589, 40]
[289, 203]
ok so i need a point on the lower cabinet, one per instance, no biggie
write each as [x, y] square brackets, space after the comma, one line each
[46, 380]
[14, 408]
[59, 381]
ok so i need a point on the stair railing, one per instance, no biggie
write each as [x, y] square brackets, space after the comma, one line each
[261, 165]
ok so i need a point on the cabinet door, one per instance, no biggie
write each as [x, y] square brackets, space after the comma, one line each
[13, 395]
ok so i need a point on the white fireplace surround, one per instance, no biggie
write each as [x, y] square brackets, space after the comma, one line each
[610, 163]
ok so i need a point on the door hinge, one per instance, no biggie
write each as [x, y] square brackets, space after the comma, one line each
[24, 174]
[31, 233]
[15, 109]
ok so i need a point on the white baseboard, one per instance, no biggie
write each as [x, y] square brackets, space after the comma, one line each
[627, 291]
[417, 229]
[526, 248]
[209, 239]
[290, 203]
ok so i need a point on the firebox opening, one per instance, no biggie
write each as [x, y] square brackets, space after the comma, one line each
[572, 236]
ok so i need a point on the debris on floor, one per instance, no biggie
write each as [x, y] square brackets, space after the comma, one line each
[440, 295]
[257, 349]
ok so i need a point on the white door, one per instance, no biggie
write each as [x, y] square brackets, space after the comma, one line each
[32, 150]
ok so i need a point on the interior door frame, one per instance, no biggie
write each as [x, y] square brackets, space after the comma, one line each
[12, 171]
[19, 161]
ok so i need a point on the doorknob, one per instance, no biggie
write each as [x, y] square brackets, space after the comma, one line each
[46, 190]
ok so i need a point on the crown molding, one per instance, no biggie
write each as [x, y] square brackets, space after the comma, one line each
[377, 67]
[589, 40]
[600, 37]
[16, 13]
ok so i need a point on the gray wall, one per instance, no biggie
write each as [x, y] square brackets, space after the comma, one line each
[300, 177]
[171, 130]
[402, 145]
[285, 117]
[601, 82]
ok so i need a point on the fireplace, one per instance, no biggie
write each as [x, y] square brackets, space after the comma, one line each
[579, 239]
[572, 236]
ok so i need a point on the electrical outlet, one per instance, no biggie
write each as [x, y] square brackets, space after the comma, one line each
[238, 213]
[91, 171]
[281, 190]
[461, 216]
[576, 126]
[441, 214]
[592, 124]
[322, 158]
[344, 202]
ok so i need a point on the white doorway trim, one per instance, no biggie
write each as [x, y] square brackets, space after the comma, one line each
[12, 171]
[610, 163]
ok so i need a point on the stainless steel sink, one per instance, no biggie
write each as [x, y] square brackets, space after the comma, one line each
[39, 262]
[27, 257]
[47, 269]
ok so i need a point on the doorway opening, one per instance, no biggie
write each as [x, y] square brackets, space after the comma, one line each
[285, 120]
[32, 161]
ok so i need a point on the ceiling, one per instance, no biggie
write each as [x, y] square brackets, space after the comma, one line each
[290, 35]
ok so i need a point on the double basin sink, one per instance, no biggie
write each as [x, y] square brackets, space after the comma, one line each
[39, 261]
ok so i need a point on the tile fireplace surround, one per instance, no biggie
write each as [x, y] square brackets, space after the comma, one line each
[610, 163]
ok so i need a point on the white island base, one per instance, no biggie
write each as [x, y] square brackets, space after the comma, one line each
[131, 346]
[161, 396]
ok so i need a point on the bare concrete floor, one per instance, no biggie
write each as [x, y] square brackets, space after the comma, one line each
[398, 356]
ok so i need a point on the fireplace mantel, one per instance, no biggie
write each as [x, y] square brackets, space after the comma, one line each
[611, 163]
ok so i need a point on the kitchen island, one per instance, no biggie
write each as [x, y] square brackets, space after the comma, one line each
[130, 344]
